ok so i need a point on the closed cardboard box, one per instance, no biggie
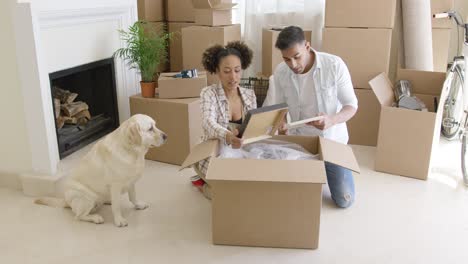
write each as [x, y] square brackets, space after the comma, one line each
[363, 128]
[440, 6]
[213, 17]
[271, 56]
[366, 52]
[180, 119]
[408, 138]
[360, 13]
[270, 203]
[170, 87]
[180, 11]
[151, 10]
[175, 45]
[196, 39]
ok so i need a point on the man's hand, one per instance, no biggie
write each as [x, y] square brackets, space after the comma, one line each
[233, 140]
[323, 124]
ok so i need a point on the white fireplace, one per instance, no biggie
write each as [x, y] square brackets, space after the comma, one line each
[53, 35]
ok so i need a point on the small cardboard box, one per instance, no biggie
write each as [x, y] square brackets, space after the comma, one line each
[269, 203]
[360, 13]
[171, 88]
[180, 11]
[175, 44]
[151, 10]
[366, 52]
[271, 56]
[213, 17]
[440, 6]
[213, 12]
[180, 119]
[363, 128]
[196, 39]
[407, 138]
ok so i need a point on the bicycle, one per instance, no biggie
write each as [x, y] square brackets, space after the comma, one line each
[455, 111]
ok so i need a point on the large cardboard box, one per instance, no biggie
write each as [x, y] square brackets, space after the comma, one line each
[171, 88]
[440, 6]
[180, 11]
[408, 138]
[440, 48]
[180, 119]
[360, 13]
[271, 56]
[363, 128]
[175, 45]
[366, 52]
[151, 10]
[196, 39]
[270, 203]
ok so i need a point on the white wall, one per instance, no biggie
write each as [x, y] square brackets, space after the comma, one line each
[14, 151]
[461, 6]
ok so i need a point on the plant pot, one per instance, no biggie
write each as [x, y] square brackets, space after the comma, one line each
[148, 89]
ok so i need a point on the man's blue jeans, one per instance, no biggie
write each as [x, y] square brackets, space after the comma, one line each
[341, 184]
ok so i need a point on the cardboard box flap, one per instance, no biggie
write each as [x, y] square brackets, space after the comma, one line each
[338, 154]
[263, 122]
[423, 82]
[200, 152]
[383, 89]
[212, 4]
[297, 171]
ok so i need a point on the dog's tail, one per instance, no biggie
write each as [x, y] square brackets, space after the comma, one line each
[54, 202]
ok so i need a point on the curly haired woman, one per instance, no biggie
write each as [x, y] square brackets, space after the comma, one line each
[224, 104]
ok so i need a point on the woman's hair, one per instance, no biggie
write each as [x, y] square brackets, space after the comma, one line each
[213, 55]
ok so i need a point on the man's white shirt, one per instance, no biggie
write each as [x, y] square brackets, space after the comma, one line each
[326, 88]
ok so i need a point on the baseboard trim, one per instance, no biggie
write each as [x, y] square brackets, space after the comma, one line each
[10, 181]
[30, 184]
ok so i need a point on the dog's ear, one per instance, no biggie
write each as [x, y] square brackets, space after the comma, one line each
[134, 134]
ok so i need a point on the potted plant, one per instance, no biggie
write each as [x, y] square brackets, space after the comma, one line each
[144, 50]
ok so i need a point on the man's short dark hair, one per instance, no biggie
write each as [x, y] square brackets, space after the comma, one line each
[289, 36]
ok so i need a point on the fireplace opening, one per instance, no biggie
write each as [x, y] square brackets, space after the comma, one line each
[85, 104]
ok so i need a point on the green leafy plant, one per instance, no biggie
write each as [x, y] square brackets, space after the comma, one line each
[145, 48]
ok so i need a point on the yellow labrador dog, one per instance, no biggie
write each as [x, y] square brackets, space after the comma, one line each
[110, 169]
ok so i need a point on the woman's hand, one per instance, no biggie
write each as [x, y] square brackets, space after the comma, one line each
[233, 140]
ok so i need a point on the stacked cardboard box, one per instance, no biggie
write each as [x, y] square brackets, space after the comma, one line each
[366, 40]
[213, 25]
[180, 14]
[151, 10]
[271, 56]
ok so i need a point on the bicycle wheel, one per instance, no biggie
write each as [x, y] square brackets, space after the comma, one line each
[453, 107]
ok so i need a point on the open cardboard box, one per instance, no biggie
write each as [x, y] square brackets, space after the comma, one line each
[269, 203]
[408, 138]
[213, 12]
[170, 87]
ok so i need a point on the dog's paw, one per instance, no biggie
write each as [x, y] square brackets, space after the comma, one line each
[141, 206]
[97, 219]
[120, 222]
